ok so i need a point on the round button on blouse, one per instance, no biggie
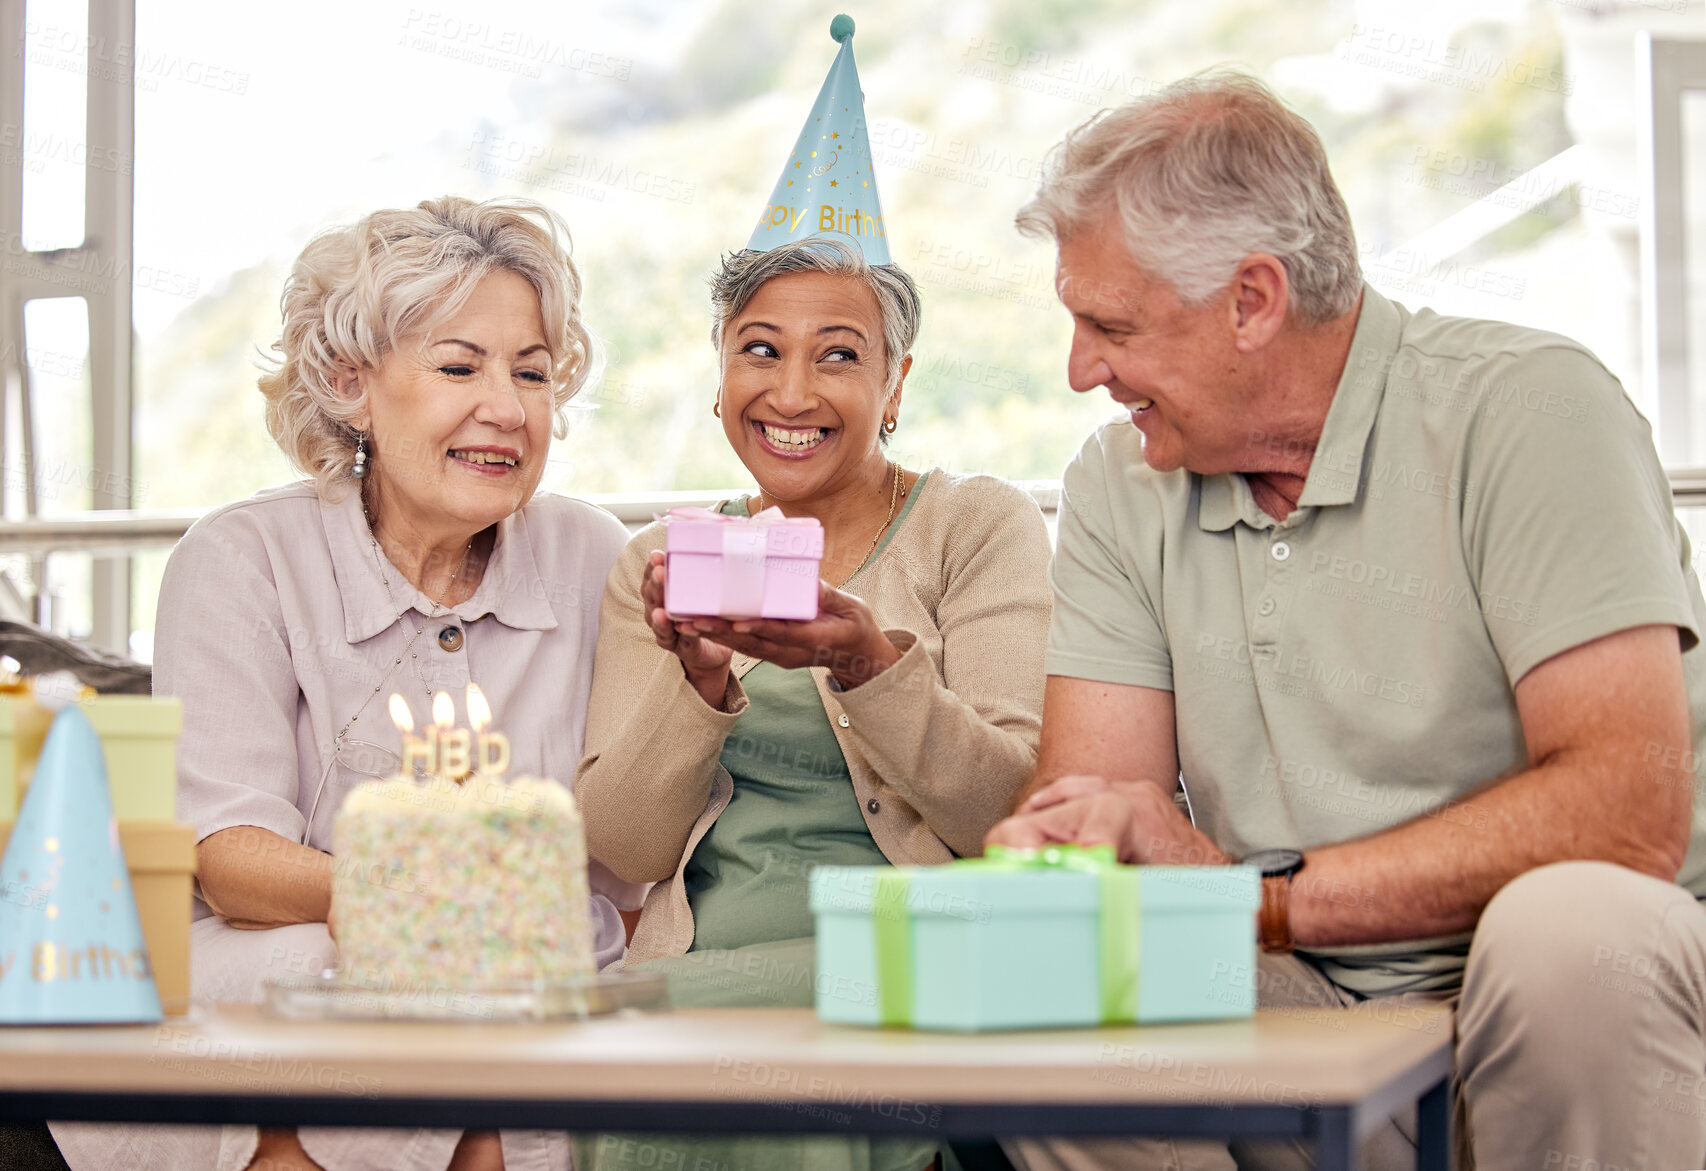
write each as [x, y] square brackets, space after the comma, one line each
[874, 805]
[1281, 550]
[1266, 608]
[450, 638]
[843, 720]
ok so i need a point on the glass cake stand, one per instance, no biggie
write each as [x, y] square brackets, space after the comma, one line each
[330, 997]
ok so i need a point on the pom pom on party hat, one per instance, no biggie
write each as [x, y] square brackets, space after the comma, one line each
[71, 946]
[827, 187]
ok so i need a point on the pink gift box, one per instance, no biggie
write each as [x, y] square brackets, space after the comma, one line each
[764, 566]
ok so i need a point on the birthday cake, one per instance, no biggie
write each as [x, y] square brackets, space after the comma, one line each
[461, 885]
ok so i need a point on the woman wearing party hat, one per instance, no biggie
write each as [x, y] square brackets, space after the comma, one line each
[726, 758]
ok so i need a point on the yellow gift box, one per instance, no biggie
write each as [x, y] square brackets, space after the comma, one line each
[23, 727]
[161, 858]
[139, 738]
[139, 735]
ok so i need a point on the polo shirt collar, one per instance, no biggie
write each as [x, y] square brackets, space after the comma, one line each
[1335, 472]
[511, 590]
[1220, 508]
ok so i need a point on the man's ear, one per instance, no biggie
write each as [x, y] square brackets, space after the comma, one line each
[1261, 297]
[347, 385]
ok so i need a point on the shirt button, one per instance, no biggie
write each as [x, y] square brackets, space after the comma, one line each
[1266, 608]
[1281, 550]
[874, 805]
[845, 722]
[450, 638]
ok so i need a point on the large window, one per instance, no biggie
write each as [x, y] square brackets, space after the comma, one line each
[1486, 149]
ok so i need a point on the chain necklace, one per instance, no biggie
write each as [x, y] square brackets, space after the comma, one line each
[408, 647]
[894, 498]
[896, 491]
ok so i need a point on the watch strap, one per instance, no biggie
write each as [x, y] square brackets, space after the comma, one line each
[1274, 920]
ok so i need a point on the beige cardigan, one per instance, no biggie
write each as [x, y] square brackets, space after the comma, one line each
[937, 745]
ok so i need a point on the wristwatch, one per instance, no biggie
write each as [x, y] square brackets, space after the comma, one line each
[1274, 923]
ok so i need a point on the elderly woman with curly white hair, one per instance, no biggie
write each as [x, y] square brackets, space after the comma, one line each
[425, 355]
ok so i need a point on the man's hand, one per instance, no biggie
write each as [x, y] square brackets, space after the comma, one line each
[1137, 818]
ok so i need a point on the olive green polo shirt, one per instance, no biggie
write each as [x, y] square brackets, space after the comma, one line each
[1483, 497]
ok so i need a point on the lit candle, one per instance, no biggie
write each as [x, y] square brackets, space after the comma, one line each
[454, 743]
[492, 748]
[418, 753]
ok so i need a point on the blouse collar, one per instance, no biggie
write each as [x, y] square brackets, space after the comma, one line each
[512, 590]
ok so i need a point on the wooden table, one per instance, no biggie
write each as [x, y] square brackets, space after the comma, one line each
[1327, 1075]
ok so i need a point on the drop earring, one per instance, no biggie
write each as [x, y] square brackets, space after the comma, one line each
[359, 471]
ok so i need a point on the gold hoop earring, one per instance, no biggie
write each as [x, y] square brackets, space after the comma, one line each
[717, 407]
[889, 426]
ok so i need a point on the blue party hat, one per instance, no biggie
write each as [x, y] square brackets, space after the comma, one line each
[827, 187]
[71, 946]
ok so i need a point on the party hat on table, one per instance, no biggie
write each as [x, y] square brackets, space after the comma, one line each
[71, 946]
[827, 187]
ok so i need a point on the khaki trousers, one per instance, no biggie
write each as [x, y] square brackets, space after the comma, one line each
[1580, 1039]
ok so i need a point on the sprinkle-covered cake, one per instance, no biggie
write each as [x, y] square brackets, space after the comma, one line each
[462, 886]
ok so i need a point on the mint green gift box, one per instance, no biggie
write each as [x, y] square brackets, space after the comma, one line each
[1024, 939]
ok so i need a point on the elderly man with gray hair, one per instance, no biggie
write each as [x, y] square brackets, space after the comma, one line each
[1401, 601]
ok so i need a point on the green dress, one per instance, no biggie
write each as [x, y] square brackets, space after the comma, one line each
[793, 808]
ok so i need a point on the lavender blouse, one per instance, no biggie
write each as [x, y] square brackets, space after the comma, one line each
[275, 625]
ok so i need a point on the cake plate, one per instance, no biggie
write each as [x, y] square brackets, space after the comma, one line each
[330, 997]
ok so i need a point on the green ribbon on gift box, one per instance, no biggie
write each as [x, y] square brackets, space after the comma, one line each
[1118, 924]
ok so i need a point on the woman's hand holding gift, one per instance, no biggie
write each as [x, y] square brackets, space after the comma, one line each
[844, 637]
[706, 663]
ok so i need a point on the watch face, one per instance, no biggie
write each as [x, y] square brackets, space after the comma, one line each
[1275, 863]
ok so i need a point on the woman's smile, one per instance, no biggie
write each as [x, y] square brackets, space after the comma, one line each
[792, 442]
[492, 462]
